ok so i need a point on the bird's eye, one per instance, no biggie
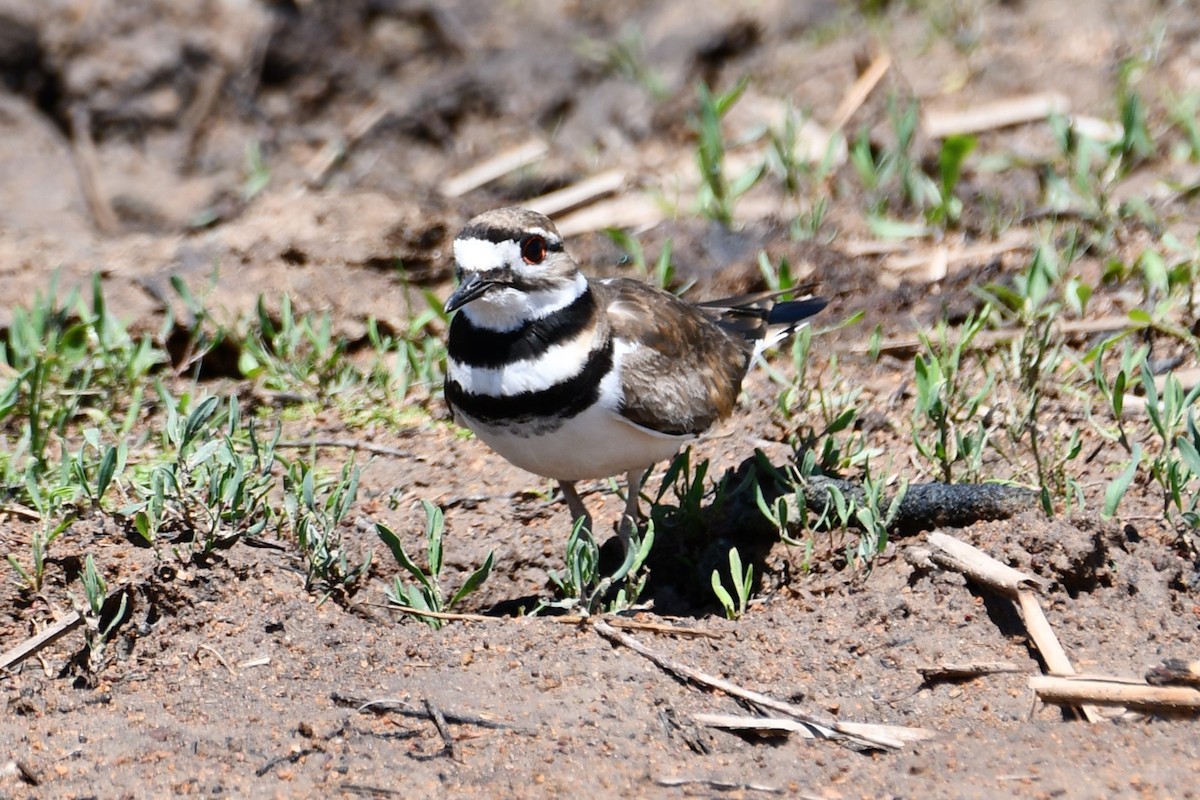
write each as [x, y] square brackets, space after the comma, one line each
[533, 249]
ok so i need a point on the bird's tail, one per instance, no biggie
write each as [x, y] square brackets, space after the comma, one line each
[786, 318]
[762, 319]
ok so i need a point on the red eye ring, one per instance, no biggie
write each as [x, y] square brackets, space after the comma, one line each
[533, 249]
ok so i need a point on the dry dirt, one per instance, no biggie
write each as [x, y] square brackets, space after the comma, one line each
[158, 101]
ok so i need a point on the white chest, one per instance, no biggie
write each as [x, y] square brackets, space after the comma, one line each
[595, 443]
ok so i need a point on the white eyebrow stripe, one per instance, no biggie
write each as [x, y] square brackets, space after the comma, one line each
[551, 238]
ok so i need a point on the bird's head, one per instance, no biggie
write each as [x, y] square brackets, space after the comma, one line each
[512, 268]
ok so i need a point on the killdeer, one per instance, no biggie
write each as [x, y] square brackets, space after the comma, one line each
[574, 379]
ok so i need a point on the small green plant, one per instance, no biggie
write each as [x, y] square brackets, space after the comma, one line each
[95, 475]
[33, 577]
[96, 630]
[718, 194]
[582, 573]
[1113, 392]
[875, 520]
[794, 165]
[202, 333]
[894, 169]
[948, 208]
[808, 225]
[778, 511]
[895, 172]
[948, 401]
[62, 362]
[1170, 412]
[582, 589]
[296, 354]
[403, 364]
[1083, 178]
[1116, 490]
[1185, 113]
[299, 356]
[316, 511]
[1135, 143]
[425, 593]
[827, 405]
[688, 486]
[214, 483]
[783, 159]
[777, 278]
[1188, 499]
[258, 173]
[52, 494]
[407, 368]
[743, 582]
[626, 56]
[662, 274]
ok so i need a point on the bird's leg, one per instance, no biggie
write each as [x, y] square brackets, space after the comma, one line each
[629, 520]
[575, 504]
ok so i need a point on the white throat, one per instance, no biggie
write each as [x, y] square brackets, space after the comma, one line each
[507, 309]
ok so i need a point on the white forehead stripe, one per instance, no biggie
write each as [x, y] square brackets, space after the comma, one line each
[480, 255]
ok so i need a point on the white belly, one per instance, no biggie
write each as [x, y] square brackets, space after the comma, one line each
[597, 443]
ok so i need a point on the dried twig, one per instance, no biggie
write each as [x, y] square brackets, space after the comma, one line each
[87, 167]
[662, 627]
[497, 167]
[939, 124]
[260, 661]
[406, 709]
[33, 644]
[1011, 242]
[18, 510]
[577, 194]
[954, 672]
[1075, 689]
[1099, 130]
[719, 785]
[950, 553]
[860, 90]
[859, 248]
[295, 754]
[446, 615]
[439, 722]
[372, 791]
[219, 657]
[197, 115]
[766, 726]
[566, 619]
[1188, 378]
[630, 210]
[350, 444]
[874, 736]
[332, 153]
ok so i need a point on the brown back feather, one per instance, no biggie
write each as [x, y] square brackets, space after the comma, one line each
[686, 371]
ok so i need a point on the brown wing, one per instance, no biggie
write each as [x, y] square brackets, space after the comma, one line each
[680, 372]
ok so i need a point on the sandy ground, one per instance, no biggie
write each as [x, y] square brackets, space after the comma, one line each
[124, 133]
